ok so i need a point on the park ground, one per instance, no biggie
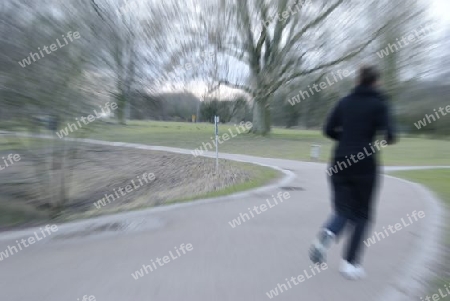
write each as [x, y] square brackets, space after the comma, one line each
[293, 144]
[96, 171]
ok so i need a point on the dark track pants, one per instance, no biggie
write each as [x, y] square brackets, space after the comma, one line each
[353, 195]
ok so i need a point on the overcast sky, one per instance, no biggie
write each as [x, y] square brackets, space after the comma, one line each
[441, 9]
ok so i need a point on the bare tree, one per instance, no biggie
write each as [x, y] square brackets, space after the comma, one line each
[403, 45]
[278, 50]
[38, 85]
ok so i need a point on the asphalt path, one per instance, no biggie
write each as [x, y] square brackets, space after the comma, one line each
[202, 257]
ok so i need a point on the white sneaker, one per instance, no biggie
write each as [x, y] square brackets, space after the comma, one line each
[352, 272]
[319, 248]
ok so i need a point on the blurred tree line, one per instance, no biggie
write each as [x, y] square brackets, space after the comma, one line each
[413, 101]
[126, 47]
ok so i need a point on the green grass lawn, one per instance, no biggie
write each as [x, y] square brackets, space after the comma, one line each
[12, 215]
[281, 143]
[437, 180]
[19, 143]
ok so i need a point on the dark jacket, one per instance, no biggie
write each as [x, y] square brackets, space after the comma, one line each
[355, 122]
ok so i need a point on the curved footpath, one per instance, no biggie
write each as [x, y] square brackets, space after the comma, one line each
[97, 257]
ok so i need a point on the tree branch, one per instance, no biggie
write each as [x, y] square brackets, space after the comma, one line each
[260, 43]
[278, 31]
[348, 56]
[293, 62]
[310, 25]
[231, 85]
[97, 9]
[265, 32]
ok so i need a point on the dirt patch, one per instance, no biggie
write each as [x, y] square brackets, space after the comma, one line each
[95, 171]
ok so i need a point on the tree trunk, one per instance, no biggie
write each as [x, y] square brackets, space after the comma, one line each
[261, 117]
[121, 107]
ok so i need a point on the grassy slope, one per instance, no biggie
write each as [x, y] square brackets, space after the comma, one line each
[12, 215]
[282, 143]
[263, 176]
[437, 180]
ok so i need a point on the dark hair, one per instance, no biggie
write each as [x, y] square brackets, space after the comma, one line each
[368, 75]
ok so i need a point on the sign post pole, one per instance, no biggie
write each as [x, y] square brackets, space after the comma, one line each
[216, 126]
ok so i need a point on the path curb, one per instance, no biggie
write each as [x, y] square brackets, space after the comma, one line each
[412, 281]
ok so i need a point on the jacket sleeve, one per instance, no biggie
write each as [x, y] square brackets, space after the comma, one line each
[386, 125]
[332, 128]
